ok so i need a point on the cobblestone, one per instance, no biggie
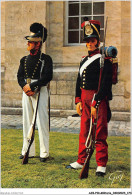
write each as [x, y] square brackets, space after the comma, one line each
[67, 125]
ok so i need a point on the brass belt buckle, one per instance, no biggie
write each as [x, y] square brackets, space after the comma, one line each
[28, 80]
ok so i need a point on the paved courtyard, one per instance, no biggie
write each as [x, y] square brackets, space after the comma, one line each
[67, 125]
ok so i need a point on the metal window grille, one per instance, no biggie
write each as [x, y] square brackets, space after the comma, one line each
[75, 12]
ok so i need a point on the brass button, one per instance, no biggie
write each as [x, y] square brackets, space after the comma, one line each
[83, 75]
[83, 83]
[83, 79]
[83, 86]
[84, 71]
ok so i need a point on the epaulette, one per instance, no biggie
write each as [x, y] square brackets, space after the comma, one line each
[108, 58]
[83, 58]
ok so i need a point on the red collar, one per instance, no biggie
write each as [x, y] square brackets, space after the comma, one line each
[34, 53]
[90, 54]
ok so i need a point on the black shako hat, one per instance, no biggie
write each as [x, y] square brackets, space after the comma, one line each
[91, 28]
[38, 33]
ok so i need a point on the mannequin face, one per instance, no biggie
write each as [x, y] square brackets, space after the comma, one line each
[33, 45]
[92, 44]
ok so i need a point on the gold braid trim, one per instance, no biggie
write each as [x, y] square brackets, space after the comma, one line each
[96, 29]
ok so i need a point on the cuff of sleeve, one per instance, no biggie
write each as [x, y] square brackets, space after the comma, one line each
[33, 86]
[23, 84]
[95, 103]
[77, 100]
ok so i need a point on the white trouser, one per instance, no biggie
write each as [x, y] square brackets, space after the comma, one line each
[29, 103]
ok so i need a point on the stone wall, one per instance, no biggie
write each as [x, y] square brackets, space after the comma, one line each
[2, 45]
[63, 88]
[118, 34]
[16, 19]
[17, 16]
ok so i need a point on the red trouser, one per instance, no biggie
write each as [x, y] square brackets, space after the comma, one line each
[101, 132]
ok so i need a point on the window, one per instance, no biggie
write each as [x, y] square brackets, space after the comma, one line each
[75, 12]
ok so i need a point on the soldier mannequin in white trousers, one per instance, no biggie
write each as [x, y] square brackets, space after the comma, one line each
[34, 74]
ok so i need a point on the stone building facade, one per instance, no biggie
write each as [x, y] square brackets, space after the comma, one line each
[16, 17]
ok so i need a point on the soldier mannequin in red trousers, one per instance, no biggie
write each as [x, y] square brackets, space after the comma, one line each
[87, 98]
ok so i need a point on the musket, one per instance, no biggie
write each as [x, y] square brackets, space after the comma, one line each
[91, 139]
[103, 48]
[31, 132]
[90, 146]
[48, 88]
